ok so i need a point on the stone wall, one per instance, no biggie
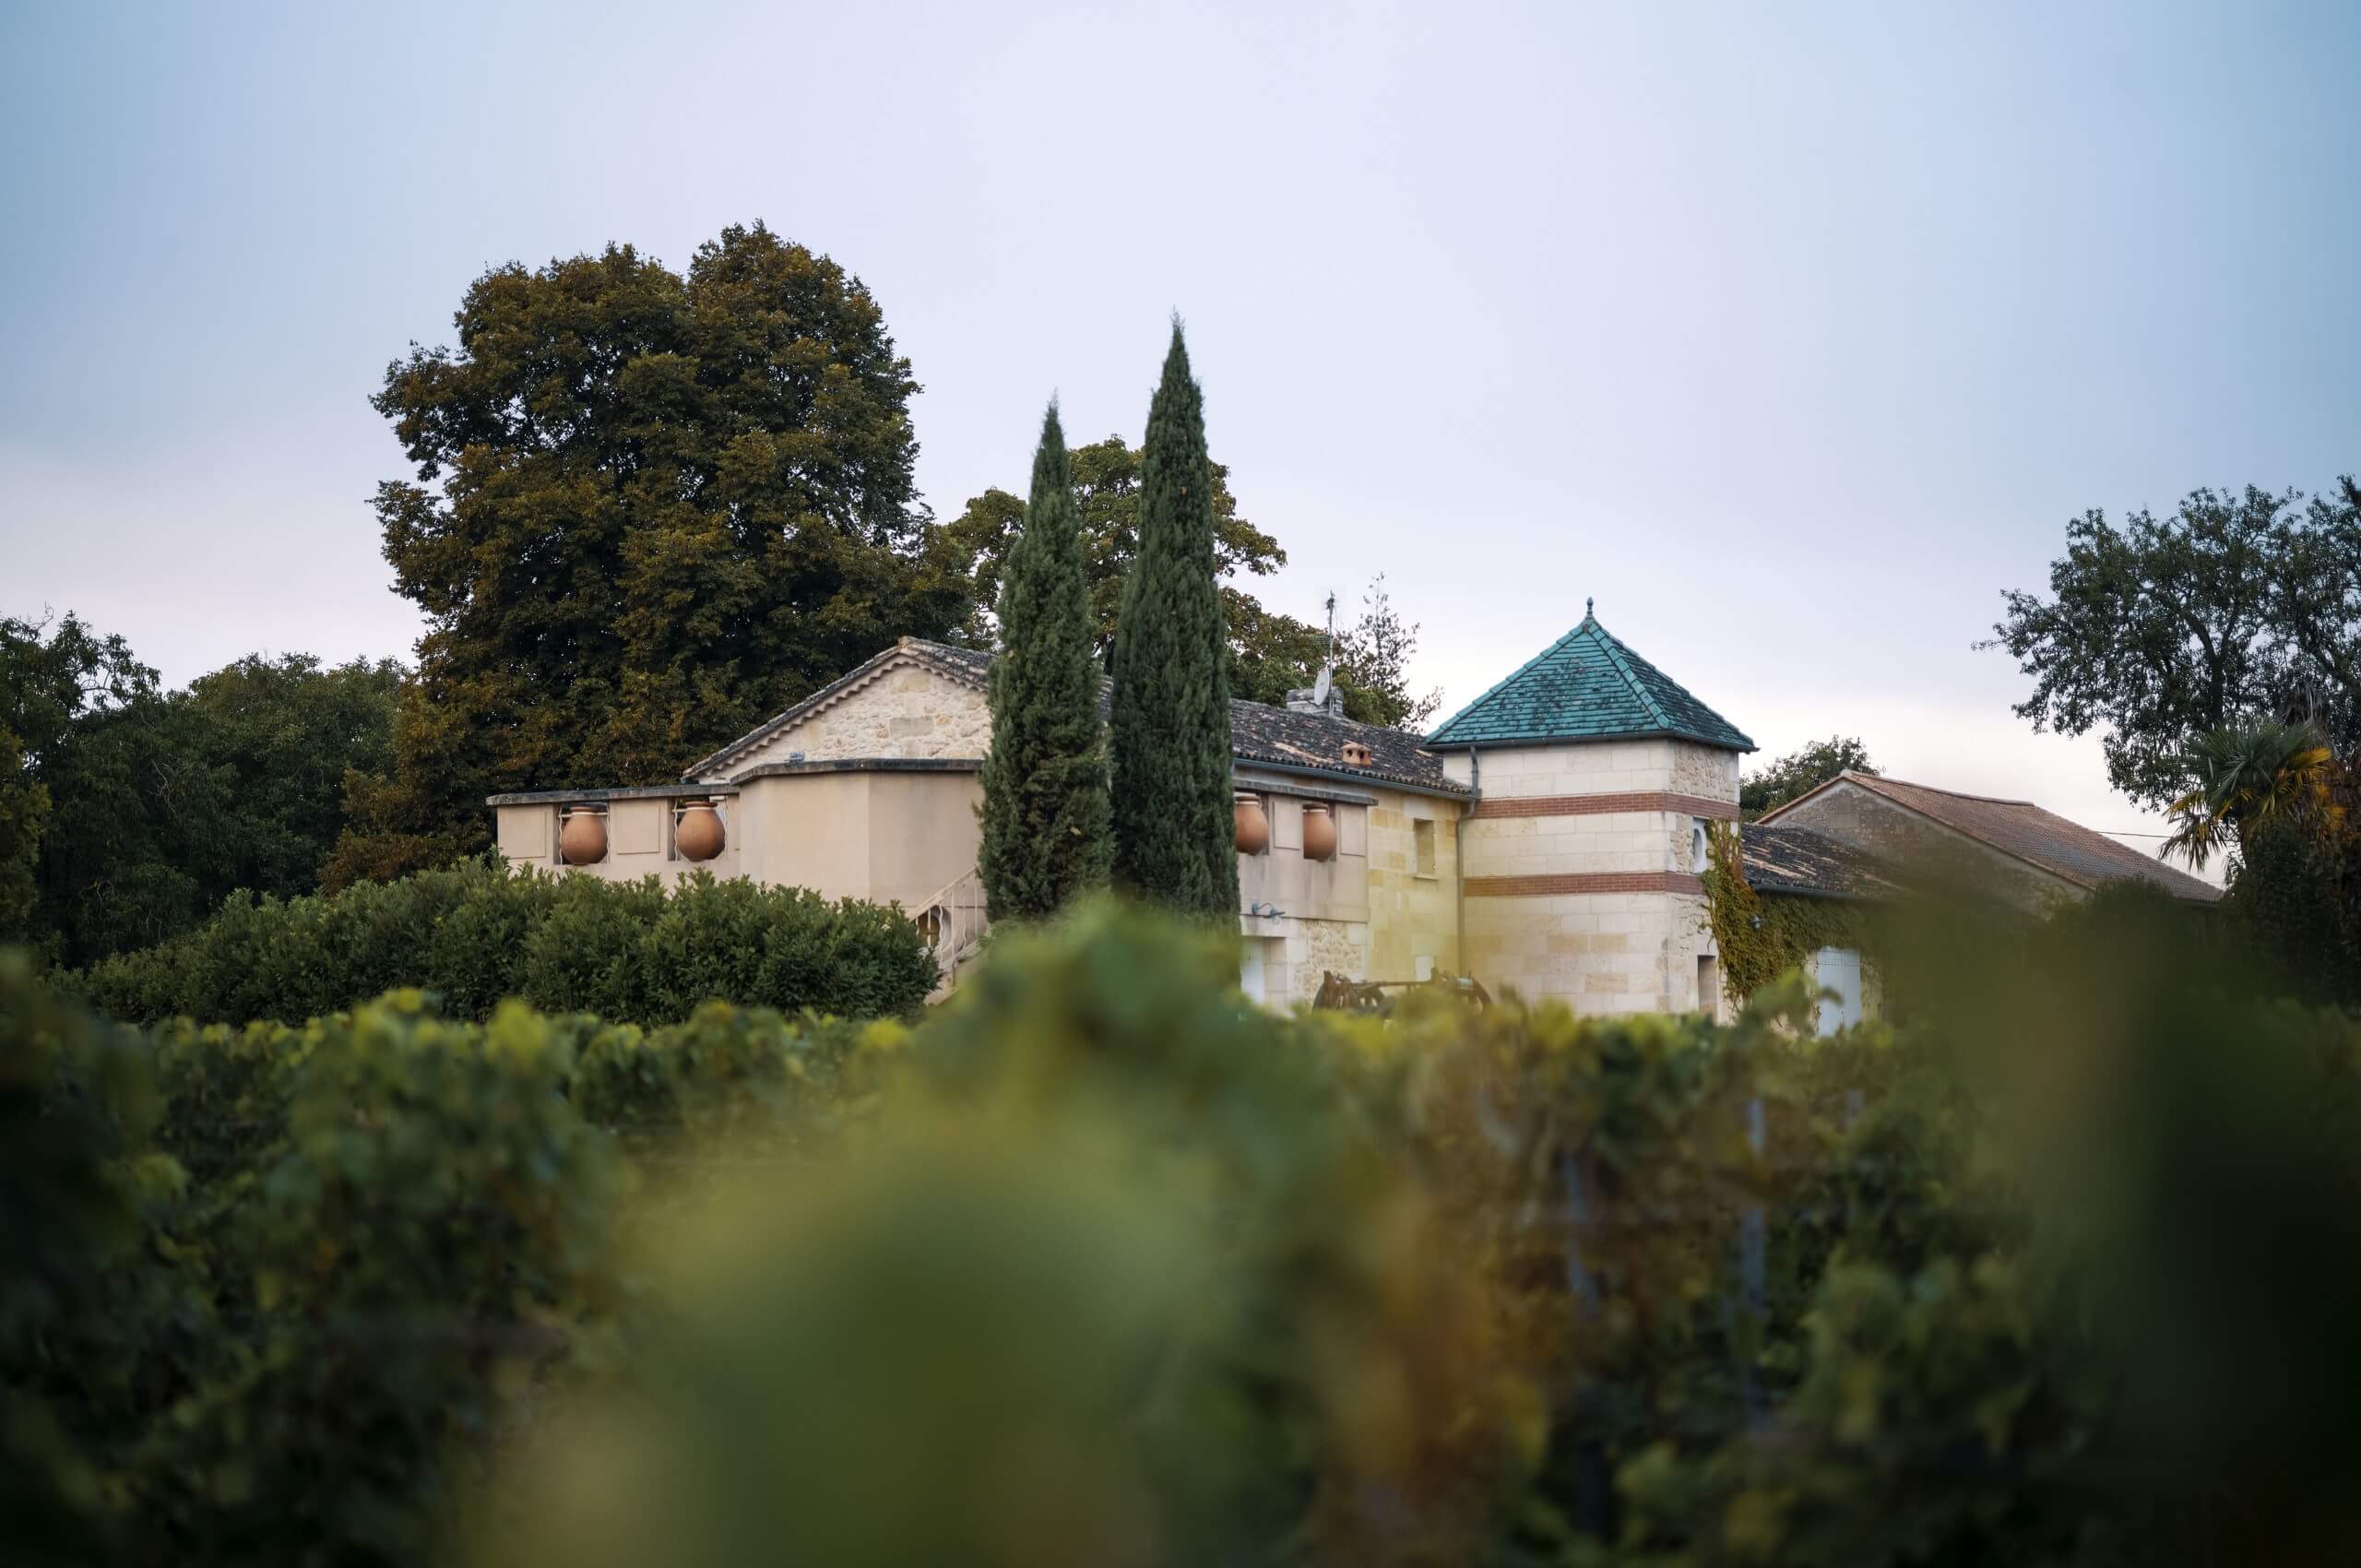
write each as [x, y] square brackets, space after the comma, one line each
[1315, 947]
[1580, 878]
[907, 710]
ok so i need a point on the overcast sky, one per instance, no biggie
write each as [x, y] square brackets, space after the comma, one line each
[1792, 334]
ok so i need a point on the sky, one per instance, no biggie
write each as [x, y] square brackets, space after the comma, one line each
[1791, 334]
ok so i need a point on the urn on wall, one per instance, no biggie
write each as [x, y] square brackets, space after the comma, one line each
[1319, 831]
[1251, 822]
[699, 836]
[582, 837]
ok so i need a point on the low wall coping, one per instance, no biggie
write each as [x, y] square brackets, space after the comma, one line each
[621, 792]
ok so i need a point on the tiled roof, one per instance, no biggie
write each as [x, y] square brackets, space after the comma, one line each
[1587, 686]
[1273, 736]
[1798, 861]
[2025, 831]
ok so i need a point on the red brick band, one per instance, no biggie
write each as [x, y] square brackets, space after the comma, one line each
[1582, 882]
[1589, 806]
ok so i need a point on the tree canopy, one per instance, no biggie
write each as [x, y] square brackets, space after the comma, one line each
[648, 511]
[132, 812]
[1270, 652]
[1806, 769]
[2232, 608]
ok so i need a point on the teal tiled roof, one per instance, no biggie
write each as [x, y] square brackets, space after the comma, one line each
[1587, 687]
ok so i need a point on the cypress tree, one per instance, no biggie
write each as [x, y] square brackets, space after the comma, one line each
[1170, 718]
[1045, 823]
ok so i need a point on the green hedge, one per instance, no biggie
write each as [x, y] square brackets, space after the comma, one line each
[478, 932]
[1100, 1264]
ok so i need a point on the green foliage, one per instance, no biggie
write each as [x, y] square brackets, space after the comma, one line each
[2250, 778]
[2296, 900]
[1103, 1264]
[1270, 653]
[281, 734]
[1801, 771]
[1170, 718]
[134, 811]
[1107, 478]
[650, 510]
[1760, 939]
[24, 815]
[476, 933]
[1046, 835]
[2232, 608]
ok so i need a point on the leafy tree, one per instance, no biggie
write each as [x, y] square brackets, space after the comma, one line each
[2234, 607]
[284, 733]
[132, 811]
[1045, 813]
[24, 813]
[124, 802]
[649, 510]
[1170, 716]
[1804, 770]
[1108, 491]
[1270, 653]
[1374, 658]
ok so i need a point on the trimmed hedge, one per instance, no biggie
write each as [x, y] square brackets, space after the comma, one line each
[477, 932]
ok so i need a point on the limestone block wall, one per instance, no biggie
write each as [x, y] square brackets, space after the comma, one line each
[1413, 898]
[907, 710]
[1580, 871]
[1312, 949]
[1388, 899]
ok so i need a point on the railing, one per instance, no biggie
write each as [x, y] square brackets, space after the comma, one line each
[955, 920]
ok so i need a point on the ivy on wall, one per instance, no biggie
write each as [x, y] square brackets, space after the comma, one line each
[1760, 939]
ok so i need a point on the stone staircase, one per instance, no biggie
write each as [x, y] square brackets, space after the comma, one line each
[954, 923]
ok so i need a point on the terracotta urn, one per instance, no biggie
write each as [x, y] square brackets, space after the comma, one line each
[1251, 822]
[699, 834]
[1319, 831]
[582, 837]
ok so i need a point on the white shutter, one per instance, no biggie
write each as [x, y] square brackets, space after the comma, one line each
[1838, 970]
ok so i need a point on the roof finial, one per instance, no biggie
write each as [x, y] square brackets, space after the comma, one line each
[1588, 602]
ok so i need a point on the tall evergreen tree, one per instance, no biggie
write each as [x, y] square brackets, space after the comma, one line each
[1170, 719]
[1045, 815]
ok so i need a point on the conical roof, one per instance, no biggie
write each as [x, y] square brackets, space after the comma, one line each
[1587, 687]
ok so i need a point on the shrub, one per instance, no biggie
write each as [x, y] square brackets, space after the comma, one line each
[477, 931]
[1101, 1262]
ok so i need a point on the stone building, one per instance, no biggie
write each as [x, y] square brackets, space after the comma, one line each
[1549, 839]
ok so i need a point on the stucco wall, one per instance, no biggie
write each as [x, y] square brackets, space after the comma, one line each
[639, 839]
[880, 836]
[1926, 851]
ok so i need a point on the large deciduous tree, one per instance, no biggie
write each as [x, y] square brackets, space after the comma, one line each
[1107, 489]
[130, 811]
[1170, 718]
[1270, 653]
[2232, 608]
[650, 510]
[1046, 834]
[1801, 771]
